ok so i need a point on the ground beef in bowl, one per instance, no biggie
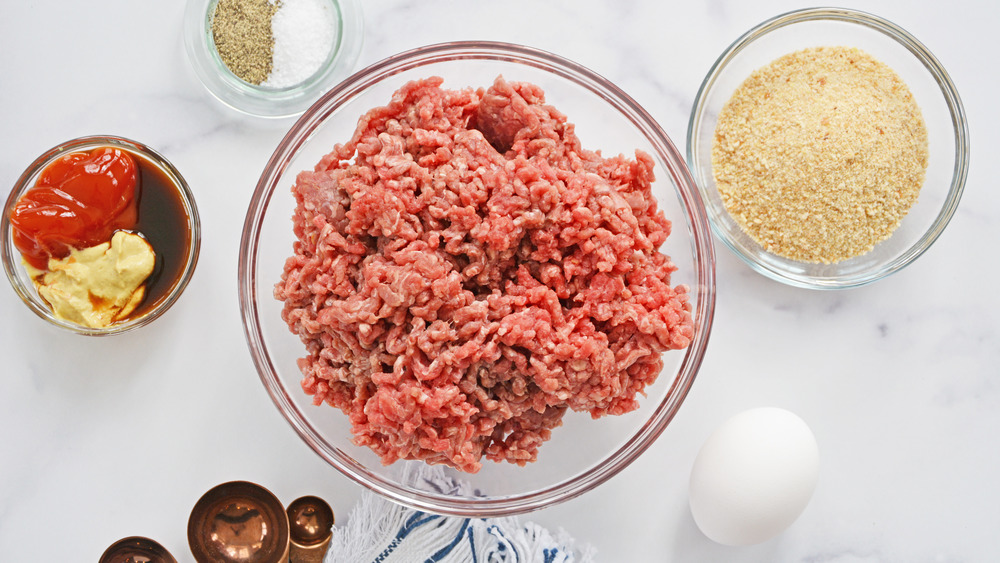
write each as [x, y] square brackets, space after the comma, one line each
[465, 272]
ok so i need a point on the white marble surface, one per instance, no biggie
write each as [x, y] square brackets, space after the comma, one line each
[105, 438]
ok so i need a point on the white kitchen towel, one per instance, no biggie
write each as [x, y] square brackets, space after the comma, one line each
[380, 531]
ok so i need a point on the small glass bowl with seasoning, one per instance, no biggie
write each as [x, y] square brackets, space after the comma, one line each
[830, 147]
[100, 235]
[272, 58]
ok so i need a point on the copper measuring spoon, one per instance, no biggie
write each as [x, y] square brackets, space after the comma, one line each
[136, 549]
[238, 522]
[310, 521]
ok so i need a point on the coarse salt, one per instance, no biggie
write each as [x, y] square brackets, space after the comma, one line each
[304, 34]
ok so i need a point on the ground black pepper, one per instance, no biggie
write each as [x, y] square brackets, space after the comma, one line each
[242, 33]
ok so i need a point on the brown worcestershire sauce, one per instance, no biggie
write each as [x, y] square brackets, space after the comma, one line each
[163, 221]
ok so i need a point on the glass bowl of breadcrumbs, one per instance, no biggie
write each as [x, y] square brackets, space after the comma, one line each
[830, 147]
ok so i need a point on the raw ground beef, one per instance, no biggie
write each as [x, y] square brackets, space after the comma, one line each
[465, 272]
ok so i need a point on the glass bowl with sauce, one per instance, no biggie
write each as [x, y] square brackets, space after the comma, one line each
[165, 217]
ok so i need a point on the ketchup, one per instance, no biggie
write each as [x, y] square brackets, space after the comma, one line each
[79, 201]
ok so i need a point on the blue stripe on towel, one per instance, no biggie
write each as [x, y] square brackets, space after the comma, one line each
[412, 523]
[504, 543]
[472, 544]
[441, 553]
[417, 519]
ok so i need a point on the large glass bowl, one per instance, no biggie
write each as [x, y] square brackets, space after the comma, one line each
[583, 452]
[947, 133]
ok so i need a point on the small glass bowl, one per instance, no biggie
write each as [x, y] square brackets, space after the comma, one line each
[264, 101]
[582, 453]
[185, 261]
[947, 131]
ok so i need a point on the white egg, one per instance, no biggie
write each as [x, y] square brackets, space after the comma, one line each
[753, 476]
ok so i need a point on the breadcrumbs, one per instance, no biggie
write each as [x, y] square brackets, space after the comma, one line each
[820, 154]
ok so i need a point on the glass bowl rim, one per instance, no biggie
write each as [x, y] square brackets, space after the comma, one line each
[9, 253]
[702, 248]
[951, 98]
